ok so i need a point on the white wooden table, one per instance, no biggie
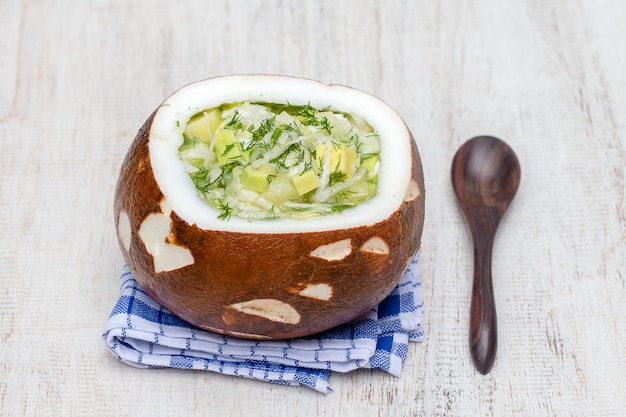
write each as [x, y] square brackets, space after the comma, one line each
[78, 78]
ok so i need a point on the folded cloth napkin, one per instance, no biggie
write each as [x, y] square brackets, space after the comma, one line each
[141, 333]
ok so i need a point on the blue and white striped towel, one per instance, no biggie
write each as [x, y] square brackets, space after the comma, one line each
[141, 333]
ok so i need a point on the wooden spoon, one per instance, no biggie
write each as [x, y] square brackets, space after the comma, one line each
[485, 177]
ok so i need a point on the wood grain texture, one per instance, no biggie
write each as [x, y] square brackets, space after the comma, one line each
[77, 79]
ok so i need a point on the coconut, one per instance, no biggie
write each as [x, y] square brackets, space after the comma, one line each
[265, 279]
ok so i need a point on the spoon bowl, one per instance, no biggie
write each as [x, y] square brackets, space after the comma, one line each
[485, 177]
[486, 172]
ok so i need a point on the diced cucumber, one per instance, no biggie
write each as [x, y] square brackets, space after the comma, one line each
[371, 163]
[255, 180]
[359, 123]
[369, 144]
[281, 189]
[226, 147]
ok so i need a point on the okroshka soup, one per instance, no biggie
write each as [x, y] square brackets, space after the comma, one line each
[270, 207]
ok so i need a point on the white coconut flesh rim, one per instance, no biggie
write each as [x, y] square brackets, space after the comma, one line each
[168, 125]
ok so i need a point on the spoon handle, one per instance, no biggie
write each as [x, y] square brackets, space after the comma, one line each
[483, 322]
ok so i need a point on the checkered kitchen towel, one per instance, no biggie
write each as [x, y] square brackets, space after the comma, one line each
[141, 333]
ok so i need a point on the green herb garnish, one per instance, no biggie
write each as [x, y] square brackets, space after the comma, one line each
[235, 122]
[225, 210]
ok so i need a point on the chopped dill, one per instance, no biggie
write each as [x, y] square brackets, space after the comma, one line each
[272, 141]
[354, 140]
[292, 127]
[227, 172]
[228, 148]
[307, 112]
[201, 179]
[226, 211]
[338, 208]
[271, 213]
[326, 126]
[235, 122]
[281, 160]
[267, 125]
[336, 176]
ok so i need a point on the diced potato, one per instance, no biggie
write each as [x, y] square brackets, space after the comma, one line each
[342, 159]
[199, 127]
[306, 182]
[215, 119]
